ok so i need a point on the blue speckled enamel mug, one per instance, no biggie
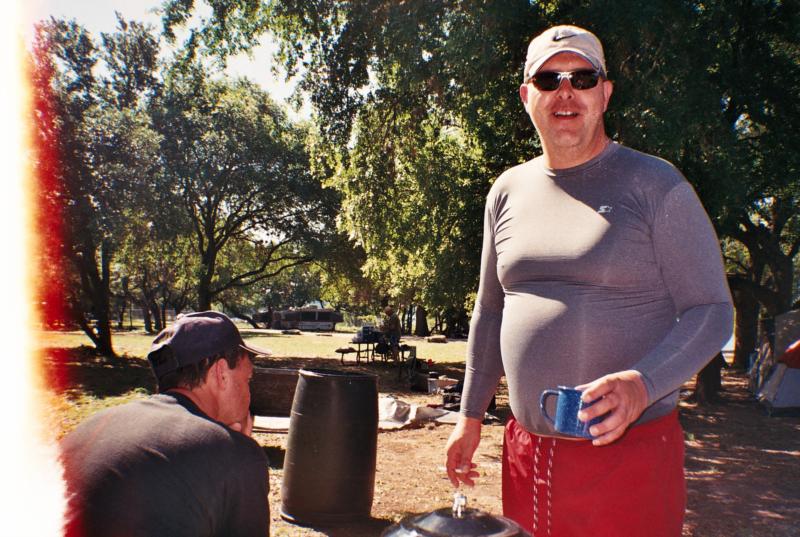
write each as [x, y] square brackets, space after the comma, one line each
[568, 405]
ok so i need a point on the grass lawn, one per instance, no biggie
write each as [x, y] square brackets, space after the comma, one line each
[135, 344]
[79, 383]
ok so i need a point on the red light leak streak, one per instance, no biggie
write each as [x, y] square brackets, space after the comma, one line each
[31, 497]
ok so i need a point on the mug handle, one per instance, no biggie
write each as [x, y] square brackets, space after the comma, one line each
[543, 402]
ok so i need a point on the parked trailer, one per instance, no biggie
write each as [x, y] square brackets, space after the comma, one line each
[306, 319]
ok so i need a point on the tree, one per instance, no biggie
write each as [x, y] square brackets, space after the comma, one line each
[756, 79]
[159, 263]
[412, 171]
[237, 171]
[293, 287]
[342, 283]
[94, 147]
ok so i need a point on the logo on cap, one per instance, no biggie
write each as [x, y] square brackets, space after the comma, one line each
[561, 34]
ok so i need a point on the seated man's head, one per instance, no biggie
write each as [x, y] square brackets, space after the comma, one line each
[203, 353]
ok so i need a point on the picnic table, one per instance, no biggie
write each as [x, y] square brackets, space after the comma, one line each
[369, 344]
[363, 348]
[368, 350]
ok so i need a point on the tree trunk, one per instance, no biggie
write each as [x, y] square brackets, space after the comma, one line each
[179, 302]
[105, 346]
[709, 381]
[164, 313]
[421, 328]
[408, 318]
[95, 289]
[437, 322]
[203, 297]
[87, 329]
[148, 322]
[149, 306]
[204, 293]
[102, 302]
[235, 312]
[783, 271]
[456, 319]
[745, 327]
[156, 313]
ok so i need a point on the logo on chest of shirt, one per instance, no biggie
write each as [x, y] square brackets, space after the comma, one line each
[605, 209]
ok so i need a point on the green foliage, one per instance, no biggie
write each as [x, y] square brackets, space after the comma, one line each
[231, 26]
[131, 56]
[93, 149]
[237, 171]
[413, 97]
[407, 203]
[288, 285]
[163, 187]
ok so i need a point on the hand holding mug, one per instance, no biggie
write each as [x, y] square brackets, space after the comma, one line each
[623, 396]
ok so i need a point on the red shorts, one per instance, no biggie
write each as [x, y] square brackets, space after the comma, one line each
[564, 488]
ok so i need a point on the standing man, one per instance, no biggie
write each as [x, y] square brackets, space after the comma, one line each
[600, 269]
[180, 463]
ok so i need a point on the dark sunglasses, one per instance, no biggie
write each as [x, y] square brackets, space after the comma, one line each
[551, 80]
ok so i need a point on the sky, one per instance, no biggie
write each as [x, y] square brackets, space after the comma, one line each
[98, 16]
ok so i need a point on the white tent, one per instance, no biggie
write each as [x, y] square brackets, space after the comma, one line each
[780, 392]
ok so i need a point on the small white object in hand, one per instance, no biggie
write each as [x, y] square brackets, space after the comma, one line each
[459, 504]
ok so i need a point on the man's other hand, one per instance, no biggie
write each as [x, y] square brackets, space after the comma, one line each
[461, 446]
[623, 395]
[244, 426]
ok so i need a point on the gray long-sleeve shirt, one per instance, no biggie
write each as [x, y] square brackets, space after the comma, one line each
[607, 266]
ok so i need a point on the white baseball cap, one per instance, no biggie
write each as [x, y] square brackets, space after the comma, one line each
[560, 39]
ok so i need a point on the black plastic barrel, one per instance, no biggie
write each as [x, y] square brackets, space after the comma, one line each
[329, 468]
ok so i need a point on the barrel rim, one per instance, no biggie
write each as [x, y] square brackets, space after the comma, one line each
[278, 370]
[320, 372]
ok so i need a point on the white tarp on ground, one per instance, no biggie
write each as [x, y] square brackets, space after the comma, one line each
[393, 413]
[781, 389]
[270, 424]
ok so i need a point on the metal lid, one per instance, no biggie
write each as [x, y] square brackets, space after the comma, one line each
[456, 522]
[441, 523]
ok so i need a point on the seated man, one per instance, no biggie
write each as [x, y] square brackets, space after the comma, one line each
[391, 330]
[180, 463]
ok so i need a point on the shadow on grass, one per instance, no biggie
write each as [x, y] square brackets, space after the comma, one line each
[80, 371]
[247, 333]
[70, 370]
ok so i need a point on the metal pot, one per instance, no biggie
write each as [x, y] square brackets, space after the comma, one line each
[456, 522]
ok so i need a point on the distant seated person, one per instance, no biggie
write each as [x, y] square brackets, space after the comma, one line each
[180, 463]
[391, 329]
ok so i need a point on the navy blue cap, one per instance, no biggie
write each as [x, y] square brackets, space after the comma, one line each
[193, 337]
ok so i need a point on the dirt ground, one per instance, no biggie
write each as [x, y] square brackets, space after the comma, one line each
[742, 467]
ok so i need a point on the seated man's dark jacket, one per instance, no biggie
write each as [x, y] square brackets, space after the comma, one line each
[161, 467]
